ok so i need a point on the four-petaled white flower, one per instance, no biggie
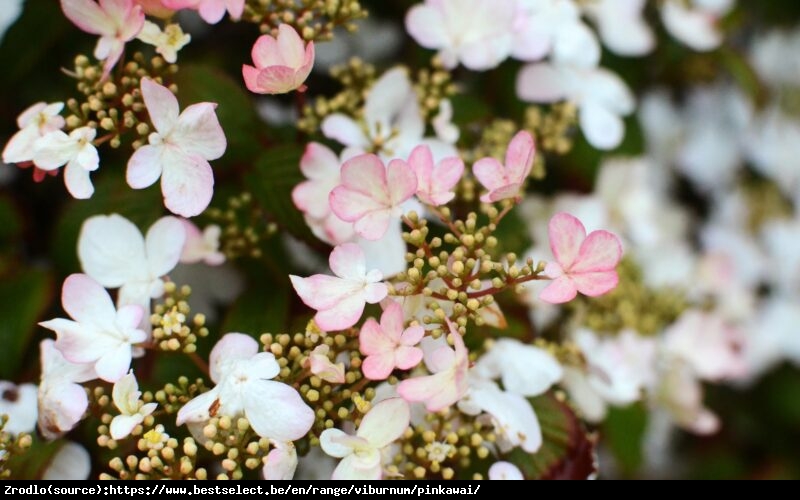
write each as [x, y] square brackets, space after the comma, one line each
[361, 454]
[76, 150]
[35, 122]
[601, 96]
[178, 151]
[98, 333]
[62, 399]
[116, 21]
[340, 300]
[18, 402]
[113, 252]
[242, 374]
[126, 396]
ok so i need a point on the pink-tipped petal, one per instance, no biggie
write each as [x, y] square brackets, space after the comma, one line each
[594, 284]
[600, 251]
[490, 173]
[187, 184]
[401, 181]
[144, 167]
[162, 105]
[348, 261]
[519, 157]
[566, 236]
[559, 291]
[407, 358]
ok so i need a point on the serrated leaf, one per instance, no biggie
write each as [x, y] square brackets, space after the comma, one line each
[567, 451]
[24, 297]
[274, 175]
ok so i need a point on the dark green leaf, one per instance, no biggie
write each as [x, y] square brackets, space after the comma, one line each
[623, 431]
[275, 174]
[23, 298]
[263, 307]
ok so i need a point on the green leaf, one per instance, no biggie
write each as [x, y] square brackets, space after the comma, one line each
[23, 299]
[263, 307]
[275, 174]
[34, 462]
[623, 431]
[567, 451]
[235, 110]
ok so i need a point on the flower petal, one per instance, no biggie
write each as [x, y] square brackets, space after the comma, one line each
[164, 244]
[566, 234]
[276, 411]
[144, 167]
[559, 291]
[187, 183]
[198, 132]
[385, 422]
[111, 250]
[594, 284]
[86, 301]
[600, 251]
[162, 105]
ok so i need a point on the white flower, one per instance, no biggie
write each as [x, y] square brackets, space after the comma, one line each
[361, 454]
[622, 26]
[34, 122]
[524, 369]
[601, 96]
[62, 399]
[126, 396]
[56, 149]
[99, 333]
[71, 462]
[694, 22]
[505, 471]
[242, 374]
[475, 33]
[617, 370]
[202, 247]
[392, 122]
[18, 402]
[113, 252]
[555, 28]
[167, 42]
[281, 462]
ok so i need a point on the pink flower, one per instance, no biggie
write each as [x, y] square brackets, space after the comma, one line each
[435, 183]
[388, 346]
[282, 64]
[361, 454]
[178, 152]
[371, 195]
[62, 399]
[505, 181]
[35, 122]
[116, 21]
[340, 300]
[448, 382]
[100, 334]
[583, 264]
[212, 11]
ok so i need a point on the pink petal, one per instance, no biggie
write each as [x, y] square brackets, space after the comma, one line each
[345, 314]
[198, 132]
[594, 284]
[392, 322]
[372, 340]
[490, 173]
[436, 391]
[322, 292]
[265, 52]
[86, 301]
[407, 358]
[421, 162]
[375, 292]
[373, 226]
[290, 46]
[445, 177]
[366, 174]
[162, 105]
[250, 75]
[350, 205]
[412, 335]
[566, 237]
[519, 157]
[88, 16]
[378, 366]
[144, 167]
[347, 261]
[600, 251]
[276, 80]
[187, 184]
[212, 11]
[401, 181]
[559, 291]
[319, 162]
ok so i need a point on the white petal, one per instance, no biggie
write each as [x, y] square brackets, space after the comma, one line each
[276, 410]
[111, 250]
[164, 244]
